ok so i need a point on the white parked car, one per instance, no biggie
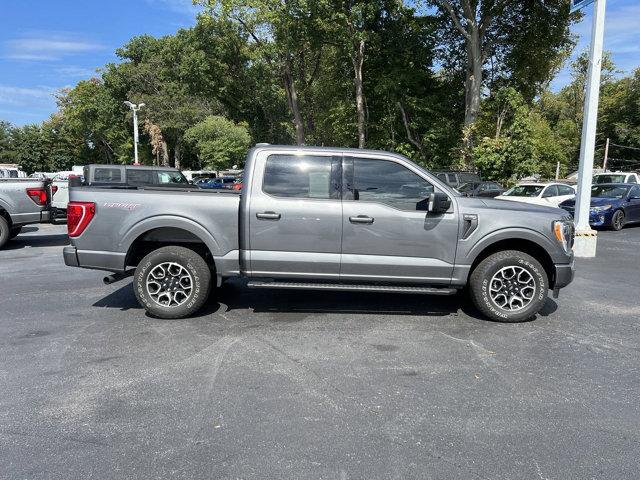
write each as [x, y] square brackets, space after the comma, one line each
[551, 194]
[60, 187]
[616, 177]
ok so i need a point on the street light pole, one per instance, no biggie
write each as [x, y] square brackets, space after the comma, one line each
[586, 238]
[134, 108]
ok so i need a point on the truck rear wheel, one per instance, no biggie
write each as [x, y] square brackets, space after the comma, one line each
[4, 231]
[509, 286]
[172, 282]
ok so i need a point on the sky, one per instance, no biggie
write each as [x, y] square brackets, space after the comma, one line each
[46, 45]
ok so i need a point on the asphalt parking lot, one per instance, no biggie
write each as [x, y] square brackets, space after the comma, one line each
[269, 384]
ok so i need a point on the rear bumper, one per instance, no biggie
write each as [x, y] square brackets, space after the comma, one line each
[564, 274]
[97, 260]
[70, 256]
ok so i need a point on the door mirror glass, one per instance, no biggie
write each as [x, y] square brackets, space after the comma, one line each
[438, 203]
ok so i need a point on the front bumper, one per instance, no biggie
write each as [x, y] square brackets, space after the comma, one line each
[564, 274]
[596, 219]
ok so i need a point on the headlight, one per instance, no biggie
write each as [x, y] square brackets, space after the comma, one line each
[564, 233]
[601, 208]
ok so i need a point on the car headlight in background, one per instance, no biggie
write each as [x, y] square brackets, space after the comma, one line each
[601, 208]
[564, 232]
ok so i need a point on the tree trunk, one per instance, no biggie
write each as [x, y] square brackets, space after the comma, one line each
[473, 83]
[292, 100]
[358, 60]
[414, 141]
[177, 154]
[164, 152]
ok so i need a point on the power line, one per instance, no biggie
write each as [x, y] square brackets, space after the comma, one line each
[624, 146]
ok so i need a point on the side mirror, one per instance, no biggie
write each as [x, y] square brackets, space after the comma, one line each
[439, 202]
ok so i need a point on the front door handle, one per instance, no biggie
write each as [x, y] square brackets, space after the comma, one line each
[268, 216]
[361, 219]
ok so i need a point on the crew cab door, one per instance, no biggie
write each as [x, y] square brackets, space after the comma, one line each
[387, 233]
[295, 216]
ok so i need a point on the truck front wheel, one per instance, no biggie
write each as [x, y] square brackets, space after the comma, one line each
[509, 286]
[172, 282]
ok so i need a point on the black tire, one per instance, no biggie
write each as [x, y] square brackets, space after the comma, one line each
[177, 263]
[5, 232]
[492, 302]
[617, 220]
[14, 232]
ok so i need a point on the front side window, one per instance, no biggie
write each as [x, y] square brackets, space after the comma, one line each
[390, 183]
[551, 191]
[299, 176]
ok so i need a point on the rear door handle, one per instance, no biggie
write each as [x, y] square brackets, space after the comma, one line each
[361, 219]
[268, 216]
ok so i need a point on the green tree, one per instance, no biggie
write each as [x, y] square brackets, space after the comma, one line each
[502, 42]
[218, 142]
[515, 140]
[95, 119]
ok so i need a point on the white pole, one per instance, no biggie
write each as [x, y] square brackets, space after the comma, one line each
[557, 170]
[585, 245]
[135, 135]
[606, 156]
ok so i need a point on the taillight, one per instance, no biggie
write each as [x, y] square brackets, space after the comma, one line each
[79, 214]
[38, 195]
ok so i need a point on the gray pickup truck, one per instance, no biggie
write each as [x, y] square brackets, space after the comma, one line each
[22, 201]
[323, 219]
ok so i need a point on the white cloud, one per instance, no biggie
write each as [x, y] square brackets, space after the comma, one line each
[8, 91]
[73, 71]
[621, 38]
[184, 7]
[47, 47]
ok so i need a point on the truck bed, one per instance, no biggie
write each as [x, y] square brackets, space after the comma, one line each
[127, 215]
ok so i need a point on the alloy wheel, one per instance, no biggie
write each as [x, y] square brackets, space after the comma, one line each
[512, 288]
[169, 284]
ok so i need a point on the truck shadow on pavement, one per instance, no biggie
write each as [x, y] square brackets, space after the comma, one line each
[38, 240]
[235, 295]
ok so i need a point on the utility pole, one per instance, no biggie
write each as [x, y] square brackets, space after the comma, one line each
[134, 108]
[606, 155]
[557, 170]
[586, 238]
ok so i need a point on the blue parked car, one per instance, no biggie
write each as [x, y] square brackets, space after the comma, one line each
[613, 205]
[219, 182]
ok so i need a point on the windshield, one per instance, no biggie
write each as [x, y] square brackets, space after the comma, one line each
[609, 179]
[608, 191]
[524, 191]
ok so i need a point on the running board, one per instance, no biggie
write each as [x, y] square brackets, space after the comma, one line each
[345, 287]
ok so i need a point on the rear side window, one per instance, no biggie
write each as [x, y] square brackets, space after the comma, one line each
[105, 174]
[564, 190]
[171, 178]
[297, 176]
[550, 191]
[139, 177]
[389, 183]
[469, 177]
[632, 179]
